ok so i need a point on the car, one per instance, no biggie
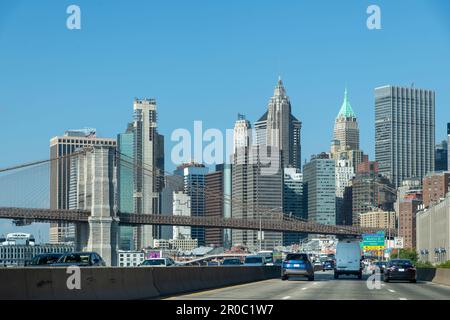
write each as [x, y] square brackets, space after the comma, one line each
[348, 259]
[328, 265]
[158, 262]
[81, 259]
[381, 265]
[400, 269]
[44, 259]
[231, 262]
[297, 264]
[255, 260]
[317, 265]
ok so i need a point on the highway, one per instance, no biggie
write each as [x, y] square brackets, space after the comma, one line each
[325, 287]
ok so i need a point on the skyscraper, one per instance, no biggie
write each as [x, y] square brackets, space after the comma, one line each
[194, 186]
[344, 174]
[214, 202]
[345, 143]
[181, 207]
[346, 131]
[279, 129]
[60, 171]
[320, 185]
[294, 202]
[404, 132]
[254, 195]
[125, 172]
[149, 168]
[441, 157]
[370, 190]
[448, 146]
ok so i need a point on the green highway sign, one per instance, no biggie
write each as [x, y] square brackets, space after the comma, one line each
[373, 241]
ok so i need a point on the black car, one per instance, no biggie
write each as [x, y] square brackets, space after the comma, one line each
[81, 259]
[400, 269]
[44, 259]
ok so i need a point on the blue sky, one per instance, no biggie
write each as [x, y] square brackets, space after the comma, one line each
[209, 60]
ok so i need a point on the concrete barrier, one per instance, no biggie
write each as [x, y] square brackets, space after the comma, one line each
[442, 276]
[438, 275]
[123, 283]
[426, 274]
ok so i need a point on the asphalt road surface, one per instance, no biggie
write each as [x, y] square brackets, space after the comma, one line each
[325, 287]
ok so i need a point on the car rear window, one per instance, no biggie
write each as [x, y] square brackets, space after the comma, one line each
[401, 263]
[297, 256]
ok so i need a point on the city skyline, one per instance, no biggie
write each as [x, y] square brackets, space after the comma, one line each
[221, 82]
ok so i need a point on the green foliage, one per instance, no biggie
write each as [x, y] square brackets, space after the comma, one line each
[426, 264]
[444, 265]
[410, 254]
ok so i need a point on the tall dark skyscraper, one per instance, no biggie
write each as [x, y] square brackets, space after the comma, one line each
[280, 129]
[404, 132]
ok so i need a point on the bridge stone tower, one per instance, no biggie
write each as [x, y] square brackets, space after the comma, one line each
[94, 190]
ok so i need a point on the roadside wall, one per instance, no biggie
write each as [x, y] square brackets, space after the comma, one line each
[123, 283]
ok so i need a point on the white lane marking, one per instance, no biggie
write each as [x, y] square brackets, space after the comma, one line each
[314, 283]
[403, 299]
[285, 298]
[390, 290]
[304, 288]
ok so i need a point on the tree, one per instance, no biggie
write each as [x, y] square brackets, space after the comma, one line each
[410, 254]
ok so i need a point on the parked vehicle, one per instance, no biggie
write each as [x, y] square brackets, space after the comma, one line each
[400, 269]
[44, 259]
[297, 264]
[158, 262]
[231, 262]
[81, 259]
[348, 259]
[254, 260]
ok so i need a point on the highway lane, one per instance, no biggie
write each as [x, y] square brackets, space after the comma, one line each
[325, 287]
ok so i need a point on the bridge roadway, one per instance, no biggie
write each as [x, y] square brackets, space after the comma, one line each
[277, 225]
[325, 287]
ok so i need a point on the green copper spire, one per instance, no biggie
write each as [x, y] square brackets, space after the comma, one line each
[346, 109]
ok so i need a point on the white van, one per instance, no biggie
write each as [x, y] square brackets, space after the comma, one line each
[348, 258]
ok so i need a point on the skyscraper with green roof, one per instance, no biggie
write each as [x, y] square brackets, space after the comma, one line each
[346, 131]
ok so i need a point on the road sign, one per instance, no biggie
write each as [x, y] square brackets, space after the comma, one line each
[398, 242]
[373, 241]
